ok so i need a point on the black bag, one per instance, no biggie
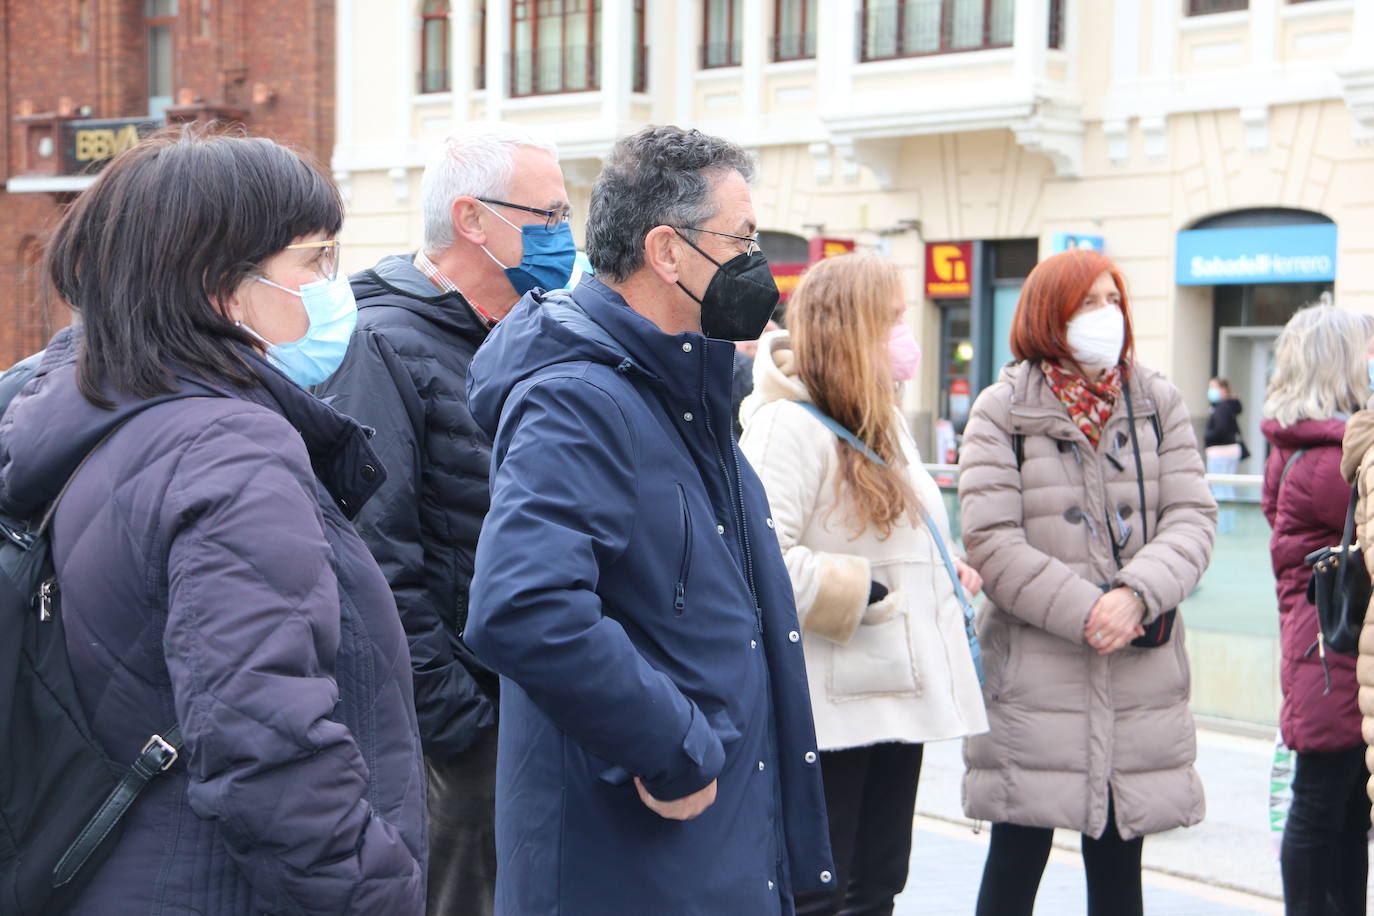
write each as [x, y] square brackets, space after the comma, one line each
[61, 798]
[1244, 450]
[1162, 627]
[1340, 588]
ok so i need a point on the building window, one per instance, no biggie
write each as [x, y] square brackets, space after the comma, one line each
[721, 28]
[160, 16]
[81, 34]
[639, 79]
[434, 46]
[205, 25]
[1203, 7]
[794, 29]
[909, 28]
[553, 46]
[1056, 37]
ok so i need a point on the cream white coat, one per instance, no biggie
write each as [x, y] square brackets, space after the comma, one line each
[907, 679]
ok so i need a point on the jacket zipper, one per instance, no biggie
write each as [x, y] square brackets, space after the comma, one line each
[680, 598]
[735, 491]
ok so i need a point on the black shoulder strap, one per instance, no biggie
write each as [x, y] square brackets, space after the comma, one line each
[156, 758]
[1135, 451]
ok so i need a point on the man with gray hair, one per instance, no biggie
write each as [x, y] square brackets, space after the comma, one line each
[657, 751]
[495, 217]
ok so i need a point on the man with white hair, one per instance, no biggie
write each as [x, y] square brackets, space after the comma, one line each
[495, 218]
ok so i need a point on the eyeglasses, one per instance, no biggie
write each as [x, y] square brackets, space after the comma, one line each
[753, 240]
[327, 261]
[552, 218]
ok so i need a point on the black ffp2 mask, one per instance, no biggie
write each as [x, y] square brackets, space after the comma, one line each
[739, 300]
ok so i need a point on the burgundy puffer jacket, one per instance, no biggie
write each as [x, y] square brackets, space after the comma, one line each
[1306, 514]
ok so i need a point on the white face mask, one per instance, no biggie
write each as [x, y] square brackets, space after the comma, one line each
[1095, 338]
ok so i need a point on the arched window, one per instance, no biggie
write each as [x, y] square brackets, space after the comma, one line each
[434, 58]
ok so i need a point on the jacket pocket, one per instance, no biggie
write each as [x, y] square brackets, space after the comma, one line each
[685, 565]
[876, 662]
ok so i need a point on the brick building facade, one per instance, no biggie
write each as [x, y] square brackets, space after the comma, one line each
[82, 79]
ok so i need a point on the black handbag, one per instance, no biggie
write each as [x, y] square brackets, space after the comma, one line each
[1339, 589]
[1158, 631]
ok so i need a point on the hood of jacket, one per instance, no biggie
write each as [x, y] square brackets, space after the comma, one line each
[396, 281]
[775, 375]
[593, 323]
[50, 427]
[1304, 433]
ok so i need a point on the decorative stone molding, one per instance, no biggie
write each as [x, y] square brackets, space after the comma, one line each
[400, 184]
[881, 156]
[1357, 87]
[1154, 130]
[1118, 134]
[1256, 121]
[1057, 132]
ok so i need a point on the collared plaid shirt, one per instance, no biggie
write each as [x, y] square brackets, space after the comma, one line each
[441, 280]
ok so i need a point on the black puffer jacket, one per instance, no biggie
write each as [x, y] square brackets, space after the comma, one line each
[406, 376]
[1223, 423]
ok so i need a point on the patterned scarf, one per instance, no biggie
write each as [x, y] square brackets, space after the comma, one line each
[1089, 404]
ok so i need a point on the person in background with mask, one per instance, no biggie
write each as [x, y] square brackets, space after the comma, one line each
[1320, 379]
[1223, 445]
[209, 575]
[1089, 731]
[657, 750]
[496, 228]
[883, 629]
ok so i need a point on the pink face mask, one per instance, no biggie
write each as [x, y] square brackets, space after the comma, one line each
[904, 352]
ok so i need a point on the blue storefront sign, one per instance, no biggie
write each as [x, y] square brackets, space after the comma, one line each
[1257, 254]
[1068, 241]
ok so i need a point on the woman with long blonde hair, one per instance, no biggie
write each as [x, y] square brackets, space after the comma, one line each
[887, 655]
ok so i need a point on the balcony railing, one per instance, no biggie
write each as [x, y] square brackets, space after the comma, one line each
[552, 70]
[1204, 7]
[436, 80]
[794, 47]
[720, 54]
[911, 28]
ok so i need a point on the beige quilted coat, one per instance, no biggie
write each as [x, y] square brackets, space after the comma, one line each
[1064, 723]
[1357, 464]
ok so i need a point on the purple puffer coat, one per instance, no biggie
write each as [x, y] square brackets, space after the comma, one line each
[1308, 514]
[209, 576]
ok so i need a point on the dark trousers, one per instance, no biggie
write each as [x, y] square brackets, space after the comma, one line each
[1325, 852]
[1017, 858]
[870, 798]
[461, 794]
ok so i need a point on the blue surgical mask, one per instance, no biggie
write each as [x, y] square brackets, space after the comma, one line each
[332, 310]
[547, 259]
[1213, 395]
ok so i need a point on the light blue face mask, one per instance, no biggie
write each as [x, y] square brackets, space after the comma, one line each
[547, 259]
[333, 312]
[1213, 396]
[1371, 373]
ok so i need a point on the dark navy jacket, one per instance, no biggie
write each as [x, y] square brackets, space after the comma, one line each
[632, 595]
[210, 577]
[405, 375]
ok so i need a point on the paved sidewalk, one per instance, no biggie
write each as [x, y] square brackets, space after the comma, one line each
[1226, 865]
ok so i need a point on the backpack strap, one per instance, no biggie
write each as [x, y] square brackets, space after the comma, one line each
[838, 429]
[156, 758]
[1288, 466]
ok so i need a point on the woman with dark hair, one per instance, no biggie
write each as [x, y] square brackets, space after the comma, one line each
[1086, 510]
[883, 630]
[208, 572]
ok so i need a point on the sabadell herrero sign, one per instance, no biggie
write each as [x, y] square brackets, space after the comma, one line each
[1258, 254]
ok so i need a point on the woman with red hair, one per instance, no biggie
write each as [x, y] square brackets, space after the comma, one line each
[1086, 510]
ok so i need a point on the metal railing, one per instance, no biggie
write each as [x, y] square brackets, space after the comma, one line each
[891, 29]
[720, 54]
[544, 71]
[1204, 7]
[800, 46]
